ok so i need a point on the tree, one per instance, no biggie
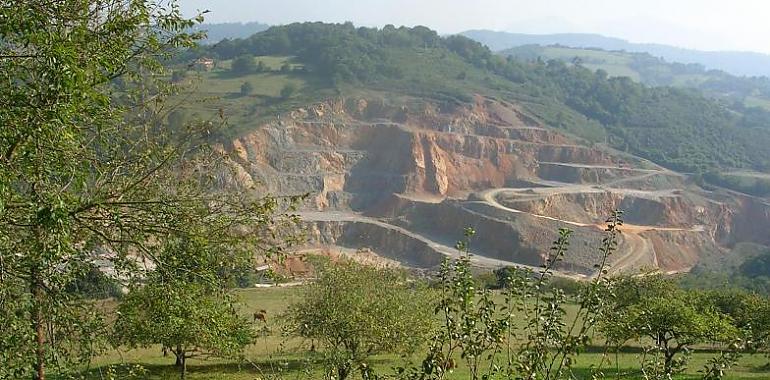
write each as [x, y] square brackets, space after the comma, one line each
[89, 173]
[185, 306]
[243, 64]
[246, 88]
[285, 67]
[288, 90]
[358, 311]
[261, 67]
[749, 312]
[653, 307]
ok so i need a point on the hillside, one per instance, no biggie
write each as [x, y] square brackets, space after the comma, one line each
[733, 62]
[652, 71]
[401, 138]
[679, 129]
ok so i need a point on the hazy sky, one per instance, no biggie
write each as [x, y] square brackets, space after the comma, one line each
[699, 24]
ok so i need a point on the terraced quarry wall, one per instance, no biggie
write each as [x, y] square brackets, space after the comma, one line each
[410, 179]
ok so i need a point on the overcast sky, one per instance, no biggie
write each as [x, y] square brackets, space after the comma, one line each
[699, 24]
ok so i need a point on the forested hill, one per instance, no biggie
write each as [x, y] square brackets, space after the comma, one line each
[653, 71]
[734, 62]
[678, 128]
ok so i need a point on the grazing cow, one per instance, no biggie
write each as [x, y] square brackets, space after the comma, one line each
[260, 315]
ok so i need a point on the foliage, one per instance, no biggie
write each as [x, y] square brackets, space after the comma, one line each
[90, 173]
[754, 185]
[243, 64]
[247, 88]
[652, 71]
[485, 333]
[678, 128]
[358, 311]
[654, 308]
[749, 312]
[95, 284]
[188, 319]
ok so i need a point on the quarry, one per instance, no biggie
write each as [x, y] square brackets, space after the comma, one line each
[404, 180]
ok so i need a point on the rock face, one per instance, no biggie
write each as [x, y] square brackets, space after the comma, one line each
[430, 170]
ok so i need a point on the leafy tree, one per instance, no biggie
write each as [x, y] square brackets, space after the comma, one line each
[184, 306]
[749, 312]
[89, 173]
[285, 67]
[288, 90]
[654, 308]
[247, 88]
[757, 266]
[261, 67]
[358, 311]
[243, 64]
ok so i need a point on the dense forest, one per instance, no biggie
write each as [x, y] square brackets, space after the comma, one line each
[678, 128]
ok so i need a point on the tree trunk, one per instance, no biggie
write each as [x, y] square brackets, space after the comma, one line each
[181, 361]
[38, 324]
[669, 358]
[183, 367]
[343, 371]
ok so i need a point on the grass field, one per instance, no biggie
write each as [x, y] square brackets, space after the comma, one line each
[274, 353]
[205, 93]
[615, 64]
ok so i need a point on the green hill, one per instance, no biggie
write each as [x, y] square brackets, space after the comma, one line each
[652, 71]
[679, 128]
[734, 62]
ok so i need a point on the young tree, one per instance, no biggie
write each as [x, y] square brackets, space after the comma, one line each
[358, 311]
[261, 67]
[243, 64]
[246, 88]
[185, 305]
[89, 173]
[654, 308]
[485, 333]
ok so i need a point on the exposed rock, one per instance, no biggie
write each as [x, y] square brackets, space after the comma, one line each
[430, 170]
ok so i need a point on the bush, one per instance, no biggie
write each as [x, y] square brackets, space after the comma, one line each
[247, 88]
[243, 64]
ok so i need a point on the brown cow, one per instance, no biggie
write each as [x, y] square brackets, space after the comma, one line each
[260, 315]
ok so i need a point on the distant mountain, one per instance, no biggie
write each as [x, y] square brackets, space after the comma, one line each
[734, 62]
[230, 30]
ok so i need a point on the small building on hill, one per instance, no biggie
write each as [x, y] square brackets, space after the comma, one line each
[204, 63]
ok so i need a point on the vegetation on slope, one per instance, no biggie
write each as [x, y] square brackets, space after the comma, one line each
[653, 71]
[678, 128]
[735, 62]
